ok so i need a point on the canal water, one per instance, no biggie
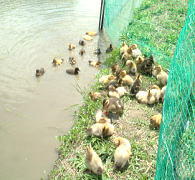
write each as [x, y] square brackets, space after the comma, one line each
[34, 111]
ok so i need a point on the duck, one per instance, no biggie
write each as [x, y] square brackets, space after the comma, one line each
[91, 33]
[93, 161]
[135, 51]
[87, 38]
[109, 49]
[122, 152]
[101, 130]
[74, 71]
[160, 75]
[57, 61]
[39, 72]
[95, 63]
[125, 79]
[127, 55]
[81, 52]
[113, 105]
[81, 42]
[124, 48]
[112, 92]
[147, 66]
[139, 60]
[155, 120]
[163, 91]
[121, 91]
[156, 92]
[95, 95]
[116, 69]
[101, 118]
[136, 84]
[131, 66]
[141, 97]
[72, 60]
[71, 47]
[97, 51]
[151, 98]
[106, 79]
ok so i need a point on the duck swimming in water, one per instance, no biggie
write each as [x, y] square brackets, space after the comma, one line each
[72, 60]
[71, 47]
[74, 71]
[57, 61]
[91, 33]
[40, 72]
[82, 51]
[81, 42]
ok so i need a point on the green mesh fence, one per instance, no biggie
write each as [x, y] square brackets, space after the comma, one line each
[118, 13]
[176, 151]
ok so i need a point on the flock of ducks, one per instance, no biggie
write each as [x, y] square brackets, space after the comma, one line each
[57, 61]
[121, 81]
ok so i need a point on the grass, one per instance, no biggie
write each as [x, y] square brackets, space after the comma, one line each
[134, 125]
[155, 28]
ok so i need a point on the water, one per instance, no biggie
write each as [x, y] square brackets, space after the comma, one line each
[34, 111]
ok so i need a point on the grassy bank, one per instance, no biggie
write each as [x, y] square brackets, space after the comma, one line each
[156, 26]
[134, 124]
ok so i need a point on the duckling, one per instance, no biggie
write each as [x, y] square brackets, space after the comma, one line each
[74, 71]
[71, 47]
[91, 33]
[101, 118]
[95, 95]
[156, 120]
[81, 52]
[161, 75]
[127, 55]
[109, 49]
[97, 51]
[93, 161]
[101, 130]
[95, 63]
[116, 69]
[87, 38]
[163, 91]
[139, 60]
[72, 60]
[112, 92]
[136, 85]
[122, 152]
[57, 61]
[125, 79]
[151, 99]
[141, 97]
[135, 51]
[40, 72]
[156, 92]
[113, 105]
[81, 42]
[147, 66]
[124, 48]
[121, 91]
[131, 66]
[107, 79]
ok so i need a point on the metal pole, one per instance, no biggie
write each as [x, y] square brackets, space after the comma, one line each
[102, 23]
[100, 18]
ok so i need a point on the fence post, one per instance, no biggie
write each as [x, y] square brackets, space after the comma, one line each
[101, 18]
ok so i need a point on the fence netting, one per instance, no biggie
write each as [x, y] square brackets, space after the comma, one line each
[176, 150]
